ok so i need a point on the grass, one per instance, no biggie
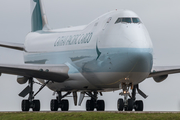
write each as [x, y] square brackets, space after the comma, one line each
[88, 116]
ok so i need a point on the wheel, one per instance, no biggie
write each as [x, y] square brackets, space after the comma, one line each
[54, 105]
[89, 105]
[130, 105]
[139, 105]
[25, 105]
[100, 105]
[65, 105]
[120, 105]
[36, 105]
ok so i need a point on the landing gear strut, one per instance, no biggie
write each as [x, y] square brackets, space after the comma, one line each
[59, 103]
[31, 102]
[131, 103]
[94, 103]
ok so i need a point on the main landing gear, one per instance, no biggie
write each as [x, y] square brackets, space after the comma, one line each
[31, 102]
[93, 102]
[131, 103]
[59, 103]
[35, 104]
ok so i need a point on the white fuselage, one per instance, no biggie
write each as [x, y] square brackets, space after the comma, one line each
[100, 55]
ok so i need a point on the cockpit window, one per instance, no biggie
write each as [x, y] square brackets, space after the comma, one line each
[118, 20]
[128, 20]
[136, 20]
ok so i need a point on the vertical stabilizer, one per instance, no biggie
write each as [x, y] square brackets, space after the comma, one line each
[38, 17]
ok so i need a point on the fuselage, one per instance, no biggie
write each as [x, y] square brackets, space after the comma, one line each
[113, 49]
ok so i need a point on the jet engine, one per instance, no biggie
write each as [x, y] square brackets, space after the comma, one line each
[22, 79]
[160, 78]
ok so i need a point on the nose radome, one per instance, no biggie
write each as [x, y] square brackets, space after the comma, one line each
[139, 49]
[134, 33]
[140, 44]
[141, 61]
[140, 56]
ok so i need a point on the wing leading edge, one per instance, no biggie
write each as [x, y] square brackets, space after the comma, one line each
[16, 46]
[164, 70]
[56, 73]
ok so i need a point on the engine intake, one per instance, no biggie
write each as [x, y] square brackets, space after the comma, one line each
[160, 78]
[22, 79]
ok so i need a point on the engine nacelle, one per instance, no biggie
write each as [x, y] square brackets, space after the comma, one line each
[160, 78]
[22, 79]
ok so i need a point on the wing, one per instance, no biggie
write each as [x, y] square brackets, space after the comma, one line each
[16, 46]
[56, 73]
[164, 70]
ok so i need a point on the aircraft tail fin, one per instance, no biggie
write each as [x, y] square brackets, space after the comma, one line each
[38, 17]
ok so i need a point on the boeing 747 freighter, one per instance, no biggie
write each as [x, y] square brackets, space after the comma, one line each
[112, 52]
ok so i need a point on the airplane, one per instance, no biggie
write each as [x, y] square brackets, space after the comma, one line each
[112, 52]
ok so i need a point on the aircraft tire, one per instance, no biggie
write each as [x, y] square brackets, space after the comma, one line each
[36, 105]
[120, 105]
[139, 105]
[54, 105]
[100, 105]
[65, 105]
[25, 105]
[130, 105]
[89, 105]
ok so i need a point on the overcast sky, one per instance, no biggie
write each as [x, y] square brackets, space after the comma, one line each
[161, 17]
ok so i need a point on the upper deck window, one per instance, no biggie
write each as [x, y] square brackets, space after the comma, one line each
[136, 20]
[128, 20]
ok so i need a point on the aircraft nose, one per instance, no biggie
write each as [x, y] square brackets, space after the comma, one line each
[140, 49]
[140, 57]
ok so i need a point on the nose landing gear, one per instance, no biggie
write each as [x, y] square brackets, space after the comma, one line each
[131, 103]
